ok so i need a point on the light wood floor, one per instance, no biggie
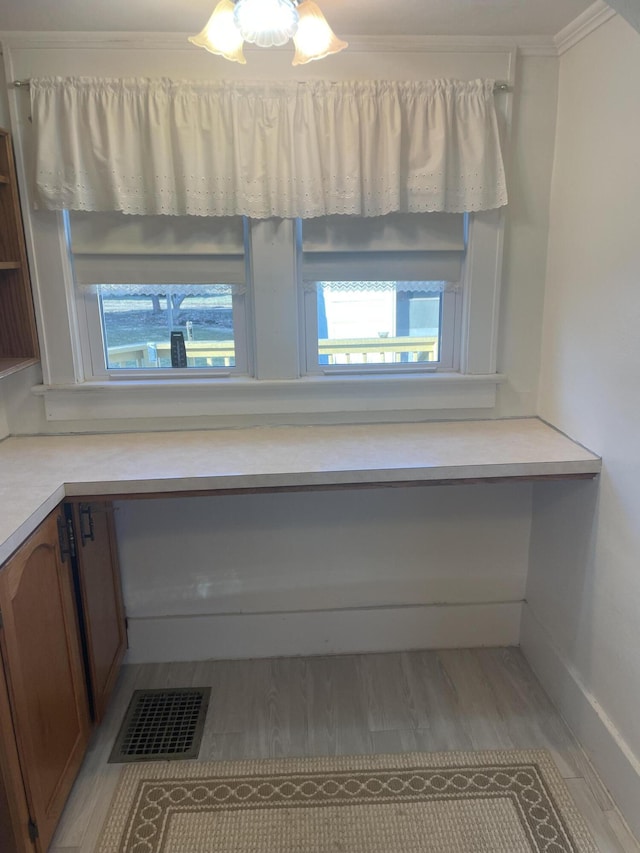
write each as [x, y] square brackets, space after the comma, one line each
[431, 701]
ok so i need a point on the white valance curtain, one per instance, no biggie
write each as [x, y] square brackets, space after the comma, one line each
[293, 149]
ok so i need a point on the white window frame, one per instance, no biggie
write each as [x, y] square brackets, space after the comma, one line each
[275, 318]
[90, 330]
[449, 345]
[94, 345]
[274, 337]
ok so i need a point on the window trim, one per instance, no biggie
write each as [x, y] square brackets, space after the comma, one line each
[309, 400]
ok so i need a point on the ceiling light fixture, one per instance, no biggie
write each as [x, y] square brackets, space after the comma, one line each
[268, 23]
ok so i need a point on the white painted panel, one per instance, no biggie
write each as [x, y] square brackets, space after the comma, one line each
[584, 583]
[4, 423]
[526, 235]
[604, 744]
[4, 103]
[324, 550]
[23, 410]
[103, 57]
[323, 632]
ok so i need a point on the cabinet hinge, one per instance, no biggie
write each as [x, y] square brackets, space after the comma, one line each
[32, 827]
[72, 538]
[66, 538]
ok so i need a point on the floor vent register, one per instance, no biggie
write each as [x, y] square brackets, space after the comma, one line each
[162, 725]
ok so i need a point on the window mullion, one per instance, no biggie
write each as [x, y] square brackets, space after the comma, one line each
[275, 299]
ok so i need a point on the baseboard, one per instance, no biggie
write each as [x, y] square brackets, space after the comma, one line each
[611, 756]
[376, 629]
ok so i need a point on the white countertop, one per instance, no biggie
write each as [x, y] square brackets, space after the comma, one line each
[36, 473]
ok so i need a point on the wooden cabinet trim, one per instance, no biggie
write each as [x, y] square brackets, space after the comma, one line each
[103, 521]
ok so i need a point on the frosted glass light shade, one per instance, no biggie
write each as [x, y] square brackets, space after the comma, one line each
[314, 38]
[267, 23]
[220, 34]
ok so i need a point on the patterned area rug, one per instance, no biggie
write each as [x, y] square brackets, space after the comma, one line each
[498, 802]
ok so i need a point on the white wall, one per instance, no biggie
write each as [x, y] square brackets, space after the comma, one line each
[21, 409]
[582, 624]
[529, 170]
[4, 123]
[341, 570]
[4, 101]
[525, 255]
[4, 423]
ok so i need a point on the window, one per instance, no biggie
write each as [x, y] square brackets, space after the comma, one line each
[358, 324]
[381, 324]
[160, 295]
[364, 312]
[165, 296]
[138, 320]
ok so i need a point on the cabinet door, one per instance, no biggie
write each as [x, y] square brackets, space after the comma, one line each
[103, 626]
[43, 663]
[14, 810]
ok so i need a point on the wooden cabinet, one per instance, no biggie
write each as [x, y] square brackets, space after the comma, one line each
[14, 811]
[44, 674]
[62, 640]
[18, 337]
[100, 595]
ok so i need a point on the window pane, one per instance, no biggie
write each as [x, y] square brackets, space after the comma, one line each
[138, 320]
[379, 322]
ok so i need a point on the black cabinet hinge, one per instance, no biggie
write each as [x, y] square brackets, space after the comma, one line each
[63, 542]
[32, 827]
[72, 537]
[85, 511]
[66, 538]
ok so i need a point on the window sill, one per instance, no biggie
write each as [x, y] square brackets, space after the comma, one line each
[245, 397]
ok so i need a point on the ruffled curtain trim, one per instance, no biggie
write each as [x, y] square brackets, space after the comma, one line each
[433, 287]
[293, 149]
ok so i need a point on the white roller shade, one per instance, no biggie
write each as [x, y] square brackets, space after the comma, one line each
[113, 248]
[412, 247]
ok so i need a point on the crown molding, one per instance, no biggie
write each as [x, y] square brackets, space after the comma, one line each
[68, 40]
[536, 46]
[527, 45]
[592, 18]
[543, 45]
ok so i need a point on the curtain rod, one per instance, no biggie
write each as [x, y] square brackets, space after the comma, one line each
[500, 86]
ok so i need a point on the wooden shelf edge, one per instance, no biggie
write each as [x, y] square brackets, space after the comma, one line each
[4, 179]
[10, 265]
[13, 365]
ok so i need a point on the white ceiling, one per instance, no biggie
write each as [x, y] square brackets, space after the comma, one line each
[347, 17]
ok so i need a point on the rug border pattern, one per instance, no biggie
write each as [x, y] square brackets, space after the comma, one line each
[542, 802]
